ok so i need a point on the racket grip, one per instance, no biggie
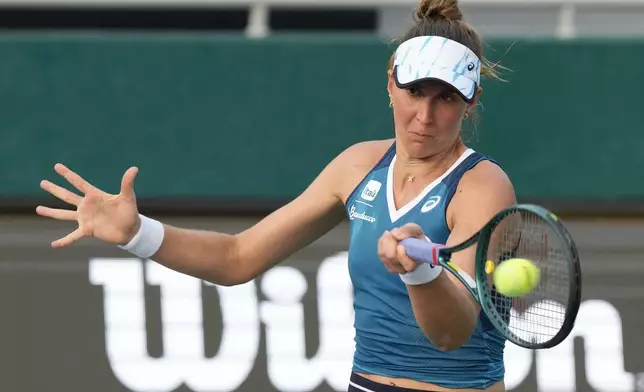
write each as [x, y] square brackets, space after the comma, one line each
[421, 250]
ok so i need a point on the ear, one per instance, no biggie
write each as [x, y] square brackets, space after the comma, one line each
[472, 104]
[390, 81]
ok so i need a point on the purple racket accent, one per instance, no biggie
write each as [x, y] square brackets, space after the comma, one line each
[421, 250]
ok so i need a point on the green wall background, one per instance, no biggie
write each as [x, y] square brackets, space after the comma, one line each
[217, 118]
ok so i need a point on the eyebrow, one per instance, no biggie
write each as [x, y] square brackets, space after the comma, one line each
[444, 87]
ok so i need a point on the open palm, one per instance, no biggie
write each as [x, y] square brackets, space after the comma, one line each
[110, 218]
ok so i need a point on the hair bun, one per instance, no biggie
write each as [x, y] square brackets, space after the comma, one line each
[439, 9]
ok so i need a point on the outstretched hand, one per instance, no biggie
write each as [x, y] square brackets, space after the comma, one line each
[110, 218]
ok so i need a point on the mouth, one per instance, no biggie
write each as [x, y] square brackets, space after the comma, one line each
[419, 134]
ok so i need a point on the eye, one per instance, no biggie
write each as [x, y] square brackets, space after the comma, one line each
[447, 97]
[415, 92]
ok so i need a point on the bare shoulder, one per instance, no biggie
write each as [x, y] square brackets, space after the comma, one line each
[365, 153]
[486, 176]
[353, 164]
[483, 191]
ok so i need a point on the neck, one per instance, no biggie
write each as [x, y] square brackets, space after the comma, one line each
[411, 169]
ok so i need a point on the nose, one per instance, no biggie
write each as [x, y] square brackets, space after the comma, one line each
[424, 112]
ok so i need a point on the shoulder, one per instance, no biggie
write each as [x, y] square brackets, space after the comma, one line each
[364, 153]
[483, 191]
[486, 176]
[353, 164]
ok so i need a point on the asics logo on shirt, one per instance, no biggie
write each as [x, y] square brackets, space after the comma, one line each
[430, 204]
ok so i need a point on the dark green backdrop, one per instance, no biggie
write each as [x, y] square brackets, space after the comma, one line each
[215, 119]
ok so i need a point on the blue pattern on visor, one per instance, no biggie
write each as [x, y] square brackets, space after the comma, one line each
[422, 58]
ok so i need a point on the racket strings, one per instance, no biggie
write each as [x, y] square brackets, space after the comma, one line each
[539, 315]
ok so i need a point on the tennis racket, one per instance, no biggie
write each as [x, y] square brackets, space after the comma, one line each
[542, 318]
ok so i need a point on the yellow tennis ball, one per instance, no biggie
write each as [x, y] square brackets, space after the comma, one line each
[516, 277]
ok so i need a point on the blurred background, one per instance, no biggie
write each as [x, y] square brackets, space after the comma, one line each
[230, 108]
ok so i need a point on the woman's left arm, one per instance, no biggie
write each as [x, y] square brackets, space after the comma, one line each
[444, 308]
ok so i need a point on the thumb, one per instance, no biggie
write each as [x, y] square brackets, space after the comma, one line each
[406, 231]
[127, 183]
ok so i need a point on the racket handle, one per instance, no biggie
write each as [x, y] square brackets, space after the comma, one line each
[421, 250]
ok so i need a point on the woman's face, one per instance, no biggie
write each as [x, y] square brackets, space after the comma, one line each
[427, 117]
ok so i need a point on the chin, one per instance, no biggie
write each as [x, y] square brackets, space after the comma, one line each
[421, 149]
[424, 146]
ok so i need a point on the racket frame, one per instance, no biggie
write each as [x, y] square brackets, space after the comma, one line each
[480, 280]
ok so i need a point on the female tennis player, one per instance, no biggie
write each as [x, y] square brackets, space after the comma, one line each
[417, 327]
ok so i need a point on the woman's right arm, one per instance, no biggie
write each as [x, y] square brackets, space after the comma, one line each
[215, 257]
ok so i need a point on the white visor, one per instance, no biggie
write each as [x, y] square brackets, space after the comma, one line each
[437, 58]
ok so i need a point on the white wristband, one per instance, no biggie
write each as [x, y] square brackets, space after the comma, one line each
[424, 273]
[147, 240]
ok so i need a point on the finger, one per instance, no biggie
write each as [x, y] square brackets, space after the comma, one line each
[386, 255]
[77, 181]
[406, 231]
[381, 244]
[68, 239]
[404, 260]
[391, 253]
[381, 249]
[389, 244]
[390, 267]
[61, 193]
[393, 266]
[397, 268]
[56, 213]
[127, 183]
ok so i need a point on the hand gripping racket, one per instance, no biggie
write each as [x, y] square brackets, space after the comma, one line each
[544, 317]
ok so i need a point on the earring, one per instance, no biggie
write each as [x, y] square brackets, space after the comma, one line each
[466, 115]
[391, 104]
